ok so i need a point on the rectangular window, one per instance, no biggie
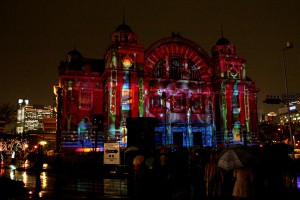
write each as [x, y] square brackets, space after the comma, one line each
[235, 100]
[178, 103]
[175, 64]
[116, 38]
[197, 104]
[178, 138]
[197, 138]
[86, 100]
[156, 102]
[126, 99]
[126, 96]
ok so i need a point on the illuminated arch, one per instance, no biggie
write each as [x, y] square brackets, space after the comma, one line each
[194, 63]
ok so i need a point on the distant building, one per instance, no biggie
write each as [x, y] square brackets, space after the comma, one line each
[195, 98]
[34, 118]
[270, 117]
[294, 117]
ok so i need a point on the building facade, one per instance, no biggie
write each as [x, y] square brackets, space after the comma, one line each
[195, 98]
[34, 118]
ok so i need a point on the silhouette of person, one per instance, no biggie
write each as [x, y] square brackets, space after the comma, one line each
[243, 186]
[83, 130]
[213, 177]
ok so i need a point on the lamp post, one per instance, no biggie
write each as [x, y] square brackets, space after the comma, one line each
[289, 45]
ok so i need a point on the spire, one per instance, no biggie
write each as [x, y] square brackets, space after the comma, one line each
[123, 18]
[123, 11]
[222, 40]
[221, 30]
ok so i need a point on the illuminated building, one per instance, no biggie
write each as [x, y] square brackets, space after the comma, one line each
[196, 99]
[34, 118]
[294, 116]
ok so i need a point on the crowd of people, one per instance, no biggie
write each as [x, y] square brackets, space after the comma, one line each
[271, 173]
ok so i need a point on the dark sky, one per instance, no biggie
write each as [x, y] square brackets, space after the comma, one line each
[36, 35]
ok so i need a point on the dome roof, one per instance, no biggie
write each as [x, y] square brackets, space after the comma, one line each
[74, 53]
[222, 41]
[124, 27]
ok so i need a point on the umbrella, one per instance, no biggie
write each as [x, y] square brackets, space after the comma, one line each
[234, 157]
[132, 148]
[139, 159]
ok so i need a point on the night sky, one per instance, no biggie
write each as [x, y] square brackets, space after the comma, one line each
[36, 35]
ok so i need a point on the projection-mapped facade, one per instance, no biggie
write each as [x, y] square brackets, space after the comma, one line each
[195, 98]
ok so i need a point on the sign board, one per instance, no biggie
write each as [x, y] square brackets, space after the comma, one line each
[111, 153]
[289, 97]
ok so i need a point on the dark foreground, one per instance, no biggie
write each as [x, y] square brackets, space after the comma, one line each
[77, 182]
[79, 176]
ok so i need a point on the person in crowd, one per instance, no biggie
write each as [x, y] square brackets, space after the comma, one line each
[197, 169]
[243, 185]
[163, 163]
[213, 177]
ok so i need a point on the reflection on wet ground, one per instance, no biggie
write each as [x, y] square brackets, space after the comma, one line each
[50, 185]
[88, 185]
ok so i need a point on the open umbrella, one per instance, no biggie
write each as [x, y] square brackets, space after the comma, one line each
[132, 148]
[139, 159]
[234, 157]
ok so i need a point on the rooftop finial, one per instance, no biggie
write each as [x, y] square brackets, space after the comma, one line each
[221, 30]
[123, 10]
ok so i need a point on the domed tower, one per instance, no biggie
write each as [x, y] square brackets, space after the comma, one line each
[123, 83]
[235, 94]
[227, 64]
[123, 34]
[80, 88]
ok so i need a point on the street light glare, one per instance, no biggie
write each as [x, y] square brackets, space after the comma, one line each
[289, 45]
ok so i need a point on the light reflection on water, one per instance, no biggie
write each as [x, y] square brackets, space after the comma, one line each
[69, 185]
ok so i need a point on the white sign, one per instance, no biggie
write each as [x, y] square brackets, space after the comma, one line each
[111, 153]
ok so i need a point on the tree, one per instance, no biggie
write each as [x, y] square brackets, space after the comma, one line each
[8, 115]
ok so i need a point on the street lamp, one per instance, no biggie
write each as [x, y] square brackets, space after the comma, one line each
[289, 45]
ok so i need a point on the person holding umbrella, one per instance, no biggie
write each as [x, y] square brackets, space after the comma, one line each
[239, 160]
[243, 186]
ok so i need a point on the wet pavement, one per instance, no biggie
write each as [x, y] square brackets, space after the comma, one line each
[99, 182]
[69, 185]
[96, 185]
